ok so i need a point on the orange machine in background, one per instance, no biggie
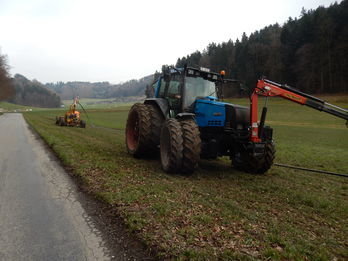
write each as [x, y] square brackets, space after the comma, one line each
[71, 117]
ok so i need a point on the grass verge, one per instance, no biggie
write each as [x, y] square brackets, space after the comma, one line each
[219, 213]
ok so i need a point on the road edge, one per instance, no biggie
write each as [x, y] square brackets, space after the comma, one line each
[105, 216]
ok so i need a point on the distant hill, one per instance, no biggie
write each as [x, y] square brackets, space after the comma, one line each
[100, 90]
[33, 93]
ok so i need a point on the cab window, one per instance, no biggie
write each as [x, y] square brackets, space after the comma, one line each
[162, 88]
[173, 89]
[173, 94]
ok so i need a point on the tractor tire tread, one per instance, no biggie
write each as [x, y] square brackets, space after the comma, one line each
[251, 164]
[175, 150]
[268, 158]
[144, 143]
[156, 121]
[261, 165]
[191, 145]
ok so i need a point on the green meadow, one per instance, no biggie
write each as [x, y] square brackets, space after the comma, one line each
[219, 213]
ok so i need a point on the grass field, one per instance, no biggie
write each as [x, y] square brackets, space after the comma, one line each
[220, 213]
[11, 107]
[111, 103]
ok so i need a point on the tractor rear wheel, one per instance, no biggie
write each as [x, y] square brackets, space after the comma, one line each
[246, 161]
[156, 122]
[57, 120]
[138, 130]
[191, 145]
[171, 146]
[82, 124]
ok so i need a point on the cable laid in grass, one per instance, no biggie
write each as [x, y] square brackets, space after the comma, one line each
[311, 170]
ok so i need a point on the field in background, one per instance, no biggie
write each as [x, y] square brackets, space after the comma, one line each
[111, 103]
[219, 213]
[6, 106]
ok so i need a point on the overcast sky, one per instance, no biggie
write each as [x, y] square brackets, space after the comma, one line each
[115, 41]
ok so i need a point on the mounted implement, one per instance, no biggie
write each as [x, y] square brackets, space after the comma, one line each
[71, 117]
[268, 88]
[186, 120]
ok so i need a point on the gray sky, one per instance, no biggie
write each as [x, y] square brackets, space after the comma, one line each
[119, 40]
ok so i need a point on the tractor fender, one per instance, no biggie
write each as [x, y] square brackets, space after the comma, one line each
[185, 115]
[160, 103]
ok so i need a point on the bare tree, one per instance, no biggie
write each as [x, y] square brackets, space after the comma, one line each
[6, 88]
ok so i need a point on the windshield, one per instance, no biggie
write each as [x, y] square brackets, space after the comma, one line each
[197, 87]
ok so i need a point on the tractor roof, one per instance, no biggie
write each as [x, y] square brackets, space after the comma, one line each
[196, 72]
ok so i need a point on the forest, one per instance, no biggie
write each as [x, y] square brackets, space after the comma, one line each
[100, 90]
[6, 88]
[309, 53]
[33, 93]
[20, 90]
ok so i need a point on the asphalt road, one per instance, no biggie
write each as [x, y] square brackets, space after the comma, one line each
[41, 217]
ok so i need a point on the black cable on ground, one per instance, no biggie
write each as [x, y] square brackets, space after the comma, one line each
[312, 170]
[89, 120]
[94, 126]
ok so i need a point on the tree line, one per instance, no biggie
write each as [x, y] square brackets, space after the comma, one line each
[309, 52]
[20, 90]
[100, 90]
[6, 88]
[33, 93]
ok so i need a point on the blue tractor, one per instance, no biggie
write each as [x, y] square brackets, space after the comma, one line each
[187, 122]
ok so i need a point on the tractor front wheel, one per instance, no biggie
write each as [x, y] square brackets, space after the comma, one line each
[191, 145]
[138, 130]
[171, 146]
[156, 122]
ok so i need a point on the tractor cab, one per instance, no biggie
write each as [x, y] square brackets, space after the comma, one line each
[190, 90]
[181, 87]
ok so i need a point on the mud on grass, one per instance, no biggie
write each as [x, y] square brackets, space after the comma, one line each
[218, 213]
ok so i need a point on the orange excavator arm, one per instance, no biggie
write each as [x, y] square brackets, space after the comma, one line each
[268, 88]
[74, 104]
